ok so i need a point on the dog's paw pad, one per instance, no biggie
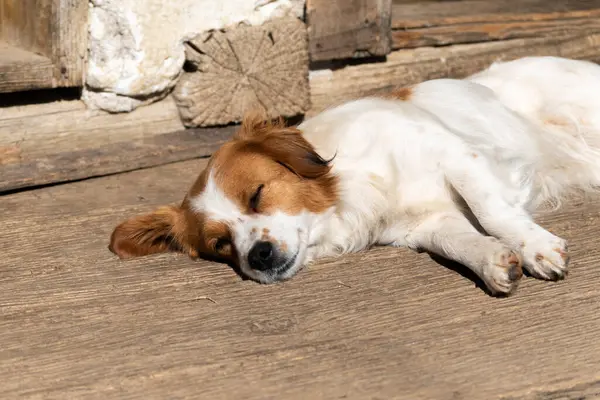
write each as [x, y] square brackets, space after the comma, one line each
[503, 272]
[548, 260]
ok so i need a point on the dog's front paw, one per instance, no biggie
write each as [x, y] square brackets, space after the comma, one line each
[547, 259]
[503, 272]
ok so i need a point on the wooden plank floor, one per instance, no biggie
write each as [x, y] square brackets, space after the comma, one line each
[77, 323]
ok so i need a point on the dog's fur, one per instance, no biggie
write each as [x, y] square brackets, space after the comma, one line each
[438, 166]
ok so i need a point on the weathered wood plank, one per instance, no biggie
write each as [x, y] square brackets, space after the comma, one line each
[410, 66]
[77, 323]
[23, 70]
[27, 24]
[469, 21]
[348, 28]
[420, 14]
[483, 32]
[246, 67]
[65, 141]
[51, 30]
[69, 41]
[585, 391]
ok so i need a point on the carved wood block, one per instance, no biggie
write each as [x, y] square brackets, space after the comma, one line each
[246, 67]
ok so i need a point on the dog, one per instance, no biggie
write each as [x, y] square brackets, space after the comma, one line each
[452, 167]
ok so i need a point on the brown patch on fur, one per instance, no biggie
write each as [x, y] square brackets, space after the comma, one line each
[513, 259]
[564, 254]
[513, 266]
[199, 184]
[565, 124]
[475, 155]
[404, 94]
[266, 238]
[557, 121]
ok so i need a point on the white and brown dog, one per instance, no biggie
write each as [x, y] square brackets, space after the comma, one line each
[429, 167]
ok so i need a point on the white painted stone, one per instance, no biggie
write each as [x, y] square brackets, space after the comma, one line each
[136, 48]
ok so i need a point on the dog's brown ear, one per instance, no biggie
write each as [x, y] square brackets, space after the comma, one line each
[160, 231]
[288, 147]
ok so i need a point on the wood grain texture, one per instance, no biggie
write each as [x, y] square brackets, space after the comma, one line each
[348, 28]
[69, 41]
[23, 70]
[77, 323]
[420, 14]
[27, 24]
[65, 141]
[410, 66]
[469, 21]
[586, 391]
[52, 31]
[247, 67]
[483, 32]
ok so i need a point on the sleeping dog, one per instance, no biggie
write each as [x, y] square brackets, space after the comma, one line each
[453, 167]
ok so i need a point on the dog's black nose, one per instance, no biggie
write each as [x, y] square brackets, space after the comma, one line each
[262, 256]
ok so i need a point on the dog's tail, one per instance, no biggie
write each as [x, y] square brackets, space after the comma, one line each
[570, 162]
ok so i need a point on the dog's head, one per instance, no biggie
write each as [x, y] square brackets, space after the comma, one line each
[254, 206]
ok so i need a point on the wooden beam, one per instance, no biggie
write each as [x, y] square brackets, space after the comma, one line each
[348, 28]
[469, 21]
[69, 41]
[410, 66]
[64, 141]
[248, 67]
[48, 39]
[23, 70]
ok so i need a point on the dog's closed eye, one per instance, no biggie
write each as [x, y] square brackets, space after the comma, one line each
[255, 199]
[222, 245]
